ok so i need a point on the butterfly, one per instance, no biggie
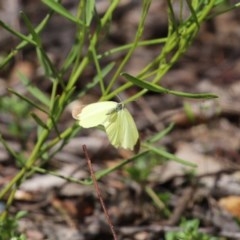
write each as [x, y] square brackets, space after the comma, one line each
[116, 120]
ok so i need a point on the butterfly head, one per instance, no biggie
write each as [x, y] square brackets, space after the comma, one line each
[119, 107]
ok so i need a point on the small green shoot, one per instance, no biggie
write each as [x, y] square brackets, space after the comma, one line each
[189, 112]
[189, 231]
[9, 228]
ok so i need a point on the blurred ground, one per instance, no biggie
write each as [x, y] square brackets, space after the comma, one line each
[210, 137]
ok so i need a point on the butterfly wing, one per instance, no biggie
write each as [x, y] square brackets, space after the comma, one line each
[121, 129]
[129, 133]
[95, 114]
[113, 129]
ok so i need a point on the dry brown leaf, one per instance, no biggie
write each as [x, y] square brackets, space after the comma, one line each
[231, 204]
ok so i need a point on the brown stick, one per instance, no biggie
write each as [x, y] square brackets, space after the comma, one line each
[99, 192]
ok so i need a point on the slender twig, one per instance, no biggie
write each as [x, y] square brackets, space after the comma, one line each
[99, 193]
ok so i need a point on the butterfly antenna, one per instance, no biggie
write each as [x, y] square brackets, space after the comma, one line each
[119, 98]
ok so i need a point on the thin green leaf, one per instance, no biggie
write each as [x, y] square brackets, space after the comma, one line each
[55, 111]
[224, 9]
[27, 100]
[102, 173]
[39, 121]
[96, 79]
[31, 29]
[157, 200]
[161, 134]
[193, 13]
[46, 63]
[57, 7]
[28, 39]
[98, 68]
[173, 22]
[71, 58]
[105, 70]
[42, 56]
[90, 4]
[156, 88]
[9, 149]
[169, 156]
[70, 179]
[38, 94]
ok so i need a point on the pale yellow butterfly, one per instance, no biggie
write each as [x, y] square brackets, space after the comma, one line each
[116, 120]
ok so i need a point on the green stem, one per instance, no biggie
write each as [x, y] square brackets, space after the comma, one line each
[171, 44]
[37, 151]
[146, 7]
